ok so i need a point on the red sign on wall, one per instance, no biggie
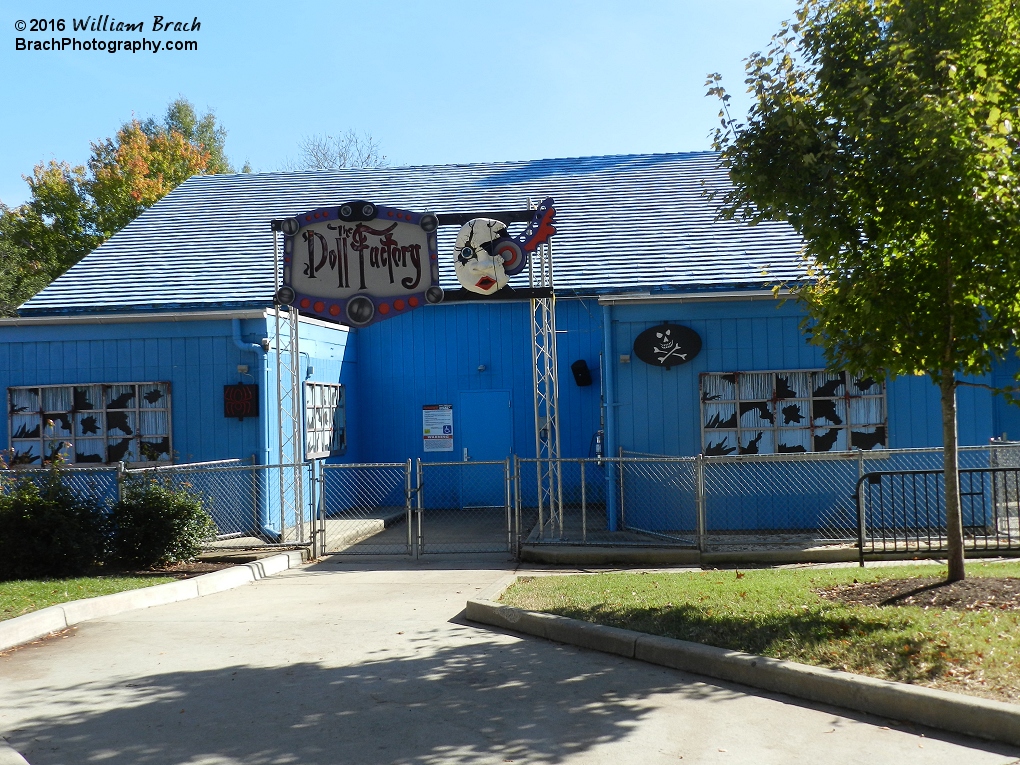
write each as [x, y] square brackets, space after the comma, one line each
[240, 401]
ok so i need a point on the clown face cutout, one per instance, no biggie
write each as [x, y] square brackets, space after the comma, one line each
[479, 268]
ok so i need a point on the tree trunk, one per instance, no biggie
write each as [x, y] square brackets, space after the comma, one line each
[951, 468]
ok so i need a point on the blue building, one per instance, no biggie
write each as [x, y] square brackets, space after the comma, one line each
[131, 355]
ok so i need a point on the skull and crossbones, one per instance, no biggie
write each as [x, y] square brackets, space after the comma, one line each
[667, 346]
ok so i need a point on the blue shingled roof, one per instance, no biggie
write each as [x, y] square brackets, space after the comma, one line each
[625, 223]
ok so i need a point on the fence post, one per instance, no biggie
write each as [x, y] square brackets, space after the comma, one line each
[312, 505]
[408, 513]
[120, 481]
[507, 501]
[584, 507]
[320, 511]
[699, 498]
[859, 494]
[623, 505]
[517, 503]
[420, 490]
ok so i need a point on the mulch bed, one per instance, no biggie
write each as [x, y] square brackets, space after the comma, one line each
[178, 571]
[974, 594]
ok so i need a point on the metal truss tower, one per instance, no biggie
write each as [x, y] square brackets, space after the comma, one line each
[547, 392]
[290, 445]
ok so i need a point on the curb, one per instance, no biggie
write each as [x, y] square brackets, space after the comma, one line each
[10, 756]
[982, 718]
[22, 629]
[594, 555]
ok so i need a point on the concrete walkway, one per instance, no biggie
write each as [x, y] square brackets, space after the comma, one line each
[370, 662]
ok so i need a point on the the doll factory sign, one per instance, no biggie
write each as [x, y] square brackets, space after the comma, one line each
[359, 263]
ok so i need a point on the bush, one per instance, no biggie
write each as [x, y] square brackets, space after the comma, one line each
[155, 524]
[47, 530]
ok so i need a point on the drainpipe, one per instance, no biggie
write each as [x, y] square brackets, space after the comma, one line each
[235, 327]
[609, 447]
[263, 510]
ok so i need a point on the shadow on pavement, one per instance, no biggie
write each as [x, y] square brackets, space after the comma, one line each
[453, 705]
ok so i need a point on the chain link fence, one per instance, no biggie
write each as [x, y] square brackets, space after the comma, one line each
[244, 500]
[94, 484]
[727, 503]
[795, 501]
[629, 501]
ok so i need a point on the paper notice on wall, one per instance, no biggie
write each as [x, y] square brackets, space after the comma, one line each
[437, 427]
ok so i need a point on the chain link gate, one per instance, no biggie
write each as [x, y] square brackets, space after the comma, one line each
[464, 507]
[366, 509]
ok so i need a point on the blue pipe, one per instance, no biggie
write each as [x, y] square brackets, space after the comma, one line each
[609, 376]
[235, 325]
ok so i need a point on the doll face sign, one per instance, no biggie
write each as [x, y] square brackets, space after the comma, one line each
[478, 269]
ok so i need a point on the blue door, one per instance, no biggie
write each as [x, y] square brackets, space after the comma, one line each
[485, 433]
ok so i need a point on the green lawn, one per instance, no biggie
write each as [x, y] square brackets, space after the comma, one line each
[24, 596]
[778, 613]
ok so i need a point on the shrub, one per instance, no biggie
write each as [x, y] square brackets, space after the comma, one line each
[155, 524]
[47, 530]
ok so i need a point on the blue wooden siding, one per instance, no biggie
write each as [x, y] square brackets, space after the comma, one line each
[1007, 415]
[659, 410]
[430, 355]
[197, 357]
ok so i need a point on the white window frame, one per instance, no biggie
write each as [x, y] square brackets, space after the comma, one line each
[815, 431]
[51, 426]
[325, 403]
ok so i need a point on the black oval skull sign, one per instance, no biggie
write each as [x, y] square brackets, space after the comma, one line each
[667, 345]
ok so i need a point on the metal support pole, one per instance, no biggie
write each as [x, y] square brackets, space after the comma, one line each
[549, 478]
[608, 374]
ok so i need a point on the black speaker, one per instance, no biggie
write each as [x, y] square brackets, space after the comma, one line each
[582, 375]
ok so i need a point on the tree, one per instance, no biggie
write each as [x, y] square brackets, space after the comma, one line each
[134, 170]
[48, 234]
[884, 132]
[21, 276]
[328, 152]
[72, 210]
[202, 132]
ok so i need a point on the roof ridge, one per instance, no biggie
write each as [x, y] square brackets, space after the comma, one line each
[450, 165]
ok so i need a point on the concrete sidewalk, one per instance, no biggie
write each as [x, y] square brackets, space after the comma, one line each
[371, 662]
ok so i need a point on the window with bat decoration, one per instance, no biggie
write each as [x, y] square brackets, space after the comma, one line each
[90, 424]
[789, 412]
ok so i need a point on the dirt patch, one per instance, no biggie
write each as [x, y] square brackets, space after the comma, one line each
[978, 593]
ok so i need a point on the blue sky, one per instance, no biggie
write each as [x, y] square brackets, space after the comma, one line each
[432, 82]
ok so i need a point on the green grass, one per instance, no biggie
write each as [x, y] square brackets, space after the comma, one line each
[24, 596]
[778, 613]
